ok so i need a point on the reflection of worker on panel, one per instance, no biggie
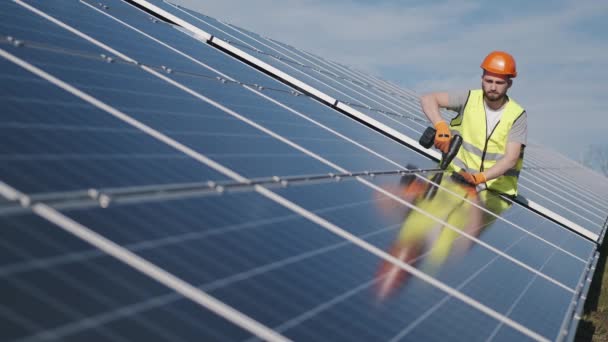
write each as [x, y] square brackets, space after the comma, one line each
[425, 240]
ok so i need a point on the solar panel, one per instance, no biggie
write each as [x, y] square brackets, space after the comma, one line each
[247, 207]
[398, 112]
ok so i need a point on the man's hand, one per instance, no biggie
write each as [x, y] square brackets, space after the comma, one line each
[442, 136]
[473, 178]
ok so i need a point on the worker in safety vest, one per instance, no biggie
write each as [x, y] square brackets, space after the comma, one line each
[492, 125]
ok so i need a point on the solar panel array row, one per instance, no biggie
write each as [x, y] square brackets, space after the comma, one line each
[128, 146]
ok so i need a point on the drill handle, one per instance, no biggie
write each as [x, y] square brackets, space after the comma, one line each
[447, 158]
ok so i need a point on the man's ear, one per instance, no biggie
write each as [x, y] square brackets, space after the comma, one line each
[510, 83]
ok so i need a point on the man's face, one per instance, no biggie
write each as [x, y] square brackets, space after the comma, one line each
[494, 86]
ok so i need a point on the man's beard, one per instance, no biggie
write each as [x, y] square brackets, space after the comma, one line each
[493, 96]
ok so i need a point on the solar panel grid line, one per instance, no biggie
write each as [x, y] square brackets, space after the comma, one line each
[435, 307]
[336, 103]
[159, 11]
[580, 210]
[311, 66]
[591, 195]
[343, 170]
[442, 302]
[469, 236]
[74, 31]
[379, 82]
[69, 280]
[415, 272]
[414, 109]
[72, 281]
[280, 105]
[574, 195]
[338, 71]
[323, 160]
[172, 240]
[246, 56]
[150, 303]
[314, 311]
[111, 110]
[36, 291]
[578, 198]
[549, 155]
[571, 327]
[350, 110]
[524, 176]
[251, 89]
[295, 321]
[105, 317]
[146, 193]
[439, 304]
[212, 190]
[563, 208]
[412, 101]
[561, 220]
[157, 273]
[550, 172]
[319, 68]
[297, 83]
[99, 103]
[396, 105]
[9, 192]
[570, 320]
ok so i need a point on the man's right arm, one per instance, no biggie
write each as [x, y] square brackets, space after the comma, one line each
[430, 106]
[431, 103]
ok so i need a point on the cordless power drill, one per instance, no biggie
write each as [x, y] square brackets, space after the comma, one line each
[427, 139]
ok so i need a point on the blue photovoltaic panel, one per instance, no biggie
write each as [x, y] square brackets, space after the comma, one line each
[38, 135]
[56, 287]
[276, 266]
[285, 271]
[157, 104]
[192, 130]
[276, 122]
[387, 107]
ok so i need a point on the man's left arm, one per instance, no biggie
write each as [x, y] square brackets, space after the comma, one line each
[507, 162]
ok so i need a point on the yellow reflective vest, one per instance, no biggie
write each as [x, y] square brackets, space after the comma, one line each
[481, 151]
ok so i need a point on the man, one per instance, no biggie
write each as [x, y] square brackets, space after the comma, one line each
[492, 125]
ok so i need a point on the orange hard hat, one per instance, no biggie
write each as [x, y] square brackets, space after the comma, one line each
[500, 62]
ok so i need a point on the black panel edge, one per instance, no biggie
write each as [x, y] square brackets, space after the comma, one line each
[152, 13]
[603, 233]
[568, 331]
[333, 105]
[524, 202]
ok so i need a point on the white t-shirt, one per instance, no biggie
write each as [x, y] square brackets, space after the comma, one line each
[492, 118]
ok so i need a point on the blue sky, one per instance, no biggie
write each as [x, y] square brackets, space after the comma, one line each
[560, 48]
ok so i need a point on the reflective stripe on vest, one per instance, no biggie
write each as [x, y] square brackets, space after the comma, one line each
[479, 153]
